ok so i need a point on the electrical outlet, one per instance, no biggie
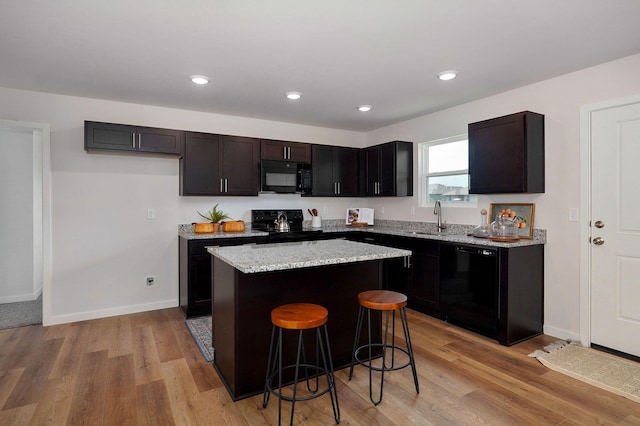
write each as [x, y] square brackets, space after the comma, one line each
[413, 211]
[151, 214]
[151, 281]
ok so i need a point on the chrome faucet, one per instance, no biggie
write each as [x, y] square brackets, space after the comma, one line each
[437, 210]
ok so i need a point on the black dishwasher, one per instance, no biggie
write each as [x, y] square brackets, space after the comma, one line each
[469, 294]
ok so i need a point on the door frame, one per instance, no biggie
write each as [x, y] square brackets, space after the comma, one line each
[41, 131]
[585, 207]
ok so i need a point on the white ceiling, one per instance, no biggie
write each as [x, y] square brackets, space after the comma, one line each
[338, 53]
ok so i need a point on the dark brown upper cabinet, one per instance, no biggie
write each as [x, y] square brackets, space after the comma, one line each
[388, 169]
[219, 165]
[123, 137]
[285, 151]
[506, 154]
[334, 171]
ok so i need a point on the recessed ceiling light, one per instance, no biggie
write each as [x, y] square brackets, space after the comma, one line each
[364, 108]
[447, 75]
[199, 79]
[294, 95]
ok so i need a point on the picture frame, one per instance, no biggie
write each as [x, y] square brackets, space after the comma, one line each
[524, 213]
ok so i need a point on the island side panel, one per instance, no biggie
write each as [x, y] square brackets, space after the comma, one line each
[334, 286]
[223, 319]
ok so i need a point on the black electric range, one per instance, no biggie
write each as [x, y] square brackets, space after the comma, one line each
[265, 220]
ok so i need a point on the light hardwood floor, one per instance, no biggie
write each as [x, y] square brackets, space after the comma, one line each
[145, 369]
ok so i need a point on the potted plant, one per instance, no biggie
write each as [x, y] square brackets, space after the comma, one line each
[214, 217]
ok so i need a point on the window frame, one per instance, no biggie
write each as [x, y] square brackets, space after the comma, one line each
[423, 174]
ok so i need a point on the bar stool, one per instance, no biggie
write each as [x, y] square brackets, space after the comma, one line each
[388, 302]
[300, 316]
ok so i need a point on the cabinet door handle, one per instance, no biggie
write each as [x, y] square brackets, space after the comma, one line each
[139, 140]
[221, 185]
[226, 185]
[288, 153]
[133, 140]
[284, 152]
[338, 188]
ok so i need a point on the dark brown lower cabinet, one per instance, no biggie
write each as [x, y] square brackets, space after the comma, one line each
[417, 276]
[195, 272]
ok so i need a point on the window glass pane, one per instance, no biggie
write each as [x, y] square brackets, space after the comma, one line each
[448, 156]
[452, 188]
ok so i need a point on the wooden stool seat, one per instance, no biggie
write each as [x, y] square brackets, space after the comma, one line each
[382, 300]
[299, 316]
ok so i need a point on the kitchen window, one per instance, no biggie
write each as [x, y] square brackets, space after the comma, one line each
[444, 172]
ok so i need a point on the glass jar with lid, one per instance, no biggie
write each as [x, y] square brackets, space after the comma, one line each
[504, 228]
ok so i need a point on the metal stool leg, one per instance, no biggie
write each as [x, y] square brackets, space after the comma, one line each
[407, 338]
[270, 370]
[331, 382]
[356, 340]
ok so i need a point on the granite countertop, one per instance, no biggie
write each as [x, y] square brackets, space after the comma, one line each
[255, 258]
[186, 231]
[425, 230]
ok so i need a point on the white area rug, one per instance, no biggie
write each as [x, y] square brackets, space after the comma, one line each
[606, 371]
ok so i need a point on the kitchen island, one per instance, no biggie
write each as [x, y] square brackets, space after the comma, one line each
[249, 281]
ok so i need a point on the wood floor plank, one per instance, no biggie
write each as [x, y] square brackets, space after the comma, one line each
[17, 416]
[53, 408]
[121, 342]
[29, 389]
[146, 359]
[165, 339]
[75, 345]
[8, 381]
[120, 406]
[89, 394]
[21, 352]
[154, 406]
[186, 402]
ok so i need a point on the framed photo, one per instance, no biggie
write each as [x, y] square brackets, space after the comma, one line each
[522, 213]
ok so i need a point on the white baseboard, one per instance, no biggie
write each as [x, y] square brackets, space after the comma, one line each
[560, 333]
[123, 310]
[21, 297]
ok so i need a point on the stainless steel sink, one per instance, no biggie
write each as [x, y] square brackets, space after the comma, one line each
[427, 233]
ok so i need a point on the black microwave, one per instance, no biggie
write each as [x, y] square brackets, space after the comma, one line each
[285, 177]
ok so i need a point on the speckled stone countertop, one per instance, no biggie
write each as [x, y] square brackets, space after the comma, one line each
[426, 230]
[186, 231]
[254, 258]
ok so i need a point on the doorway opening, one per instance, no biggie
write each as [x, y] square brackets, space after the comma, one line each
[25, 230]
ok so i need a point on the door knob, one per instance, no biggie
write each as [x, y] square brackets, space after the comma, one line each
[598, 241]
[599, 224]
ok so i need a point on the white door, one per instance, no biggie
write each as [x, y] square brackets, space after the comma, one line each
[615, 227]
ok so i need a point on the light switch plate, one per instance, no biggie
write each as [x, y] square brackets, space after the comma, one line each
[573, 214]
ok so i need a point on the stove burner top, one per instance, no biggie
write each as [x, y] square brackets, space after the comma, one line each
[265, 220]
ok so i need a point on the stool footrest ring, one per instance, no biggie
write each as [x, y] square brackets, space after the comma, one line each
[320, 372]
[365, 362]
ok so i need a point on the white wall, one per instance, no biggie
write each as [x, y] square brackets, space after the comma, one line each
[17, 216]
[103, 246]
[559, 99]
